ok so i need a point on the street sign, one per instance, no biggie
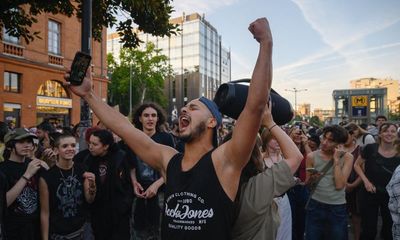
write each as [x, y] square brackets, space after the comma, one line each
[359, 111]
[359, 101]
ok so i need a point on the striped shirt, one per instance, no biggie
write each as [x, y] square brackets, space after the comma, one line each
[393, 189]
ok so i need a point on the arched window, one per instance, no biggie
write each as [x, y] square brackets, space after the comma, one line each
[52, 88]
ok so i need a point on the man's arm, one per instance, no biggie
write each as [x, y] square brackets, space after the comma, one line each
[341, 174]
[310, 164]
[236, 152]
[138, 141]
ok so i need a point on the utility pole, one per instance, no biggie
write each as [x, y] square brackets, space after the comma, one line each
[295, 90]
[86, 48]
[130, 90]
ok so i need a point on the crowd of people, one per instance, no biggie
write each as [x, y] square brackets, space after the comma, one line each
[197, 180]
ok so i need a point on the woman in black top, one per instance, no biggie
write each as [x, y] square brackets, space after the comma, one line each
[64, 191]
[111, 209]
[375, 166]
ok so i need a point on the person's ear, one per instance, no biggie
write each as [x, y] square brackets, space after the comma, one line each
[212, 122]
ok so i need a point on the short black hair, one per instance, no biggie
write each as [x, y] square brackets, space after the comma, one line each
[339, 134]
[55, 142]
[380, 116]
[105, 137]
[46, 126]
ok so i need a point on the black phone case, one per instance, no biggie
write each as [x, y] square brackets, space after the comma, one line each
[79, 66]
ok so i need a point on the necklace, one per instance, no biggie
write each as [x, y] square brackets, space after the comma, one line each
[68, 183]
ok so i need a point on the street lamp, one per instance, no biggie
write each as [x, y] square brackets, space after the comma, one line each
[130, 90]
[295, 90]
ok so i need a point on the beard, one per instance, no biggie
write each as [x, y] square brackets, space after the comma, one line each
[198, 131]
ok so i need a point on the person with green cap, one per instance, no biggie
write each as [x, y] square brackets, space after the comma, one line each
[21, 174]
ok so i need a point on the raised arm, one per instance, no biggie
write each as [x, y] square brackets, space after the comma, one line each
[138, 141]
[237, 151]
[289, 149]
[341, 173]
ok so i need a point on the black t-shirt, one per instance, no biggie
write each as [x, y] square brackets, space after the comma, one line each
[67, 204]
[22, 216]
[111, 208]
[130, 156]
[196, 206]
[3, 203]
[144, 173]
[26, 205]
[378, 168]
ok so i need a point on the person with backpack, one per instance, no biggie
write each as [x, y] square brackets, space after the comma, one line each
[375, 166]
[363, 137]
[256, 211]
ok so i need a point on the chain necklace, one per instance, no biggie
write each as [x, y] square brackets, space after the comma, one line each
[67, 183]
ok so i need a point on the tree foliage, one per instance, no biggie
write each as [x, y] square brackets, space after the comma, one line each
[315, 121]
[17, 16]
[149, 69]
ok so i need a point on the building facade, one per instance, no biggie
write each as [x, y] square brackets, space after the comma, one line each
[392, 86]
[360, 105]
[32, 75]
[304, 109]
[196, 54]
[323, 114]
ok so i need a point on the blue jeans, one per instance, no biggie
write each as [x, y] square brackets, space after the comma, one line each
[326, 221]
[298, 196]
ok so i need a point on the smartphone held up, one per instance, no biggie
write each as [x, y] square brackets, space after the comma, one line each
[79, 66]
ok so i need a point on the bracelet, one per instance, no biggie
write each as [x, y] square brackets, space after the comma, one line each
[26, 179]
[272, 127]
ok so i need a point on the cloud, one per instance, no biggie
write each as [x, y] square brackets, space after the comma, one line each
[344, 26]
[204, 6]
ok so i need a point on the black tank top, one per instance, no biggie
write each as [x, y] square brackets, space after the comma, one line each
[196, 206]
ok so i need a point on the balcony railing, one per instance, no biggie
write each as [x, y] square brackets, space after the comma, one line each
[12, 49]
[56, 60]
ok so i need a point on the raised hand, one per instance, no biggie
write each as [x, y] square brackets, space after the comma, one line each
[261, 30]
[33, 167]
[82, 90]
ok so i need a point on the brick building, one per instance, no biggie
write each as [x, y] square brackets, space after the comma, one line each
[32, 74]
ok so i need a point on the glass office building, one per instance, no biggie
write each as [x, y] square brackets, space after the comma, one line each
[196, 54]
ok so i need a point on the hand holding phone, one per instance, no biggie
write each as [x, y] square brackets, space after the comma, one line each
[79, 66]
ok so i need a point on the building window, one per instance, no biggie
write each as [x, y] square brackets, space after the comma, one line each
[10, 39]
[174, 88]
[11, 82]
[54, 37]
[52, 88]
[12, 113]
[185, 87]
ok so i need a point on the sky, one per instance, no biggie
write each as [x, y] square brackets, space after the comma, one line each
[318, 45]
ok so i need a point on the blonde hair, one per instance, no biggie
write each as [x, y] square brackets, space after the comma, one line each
[385, 126]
